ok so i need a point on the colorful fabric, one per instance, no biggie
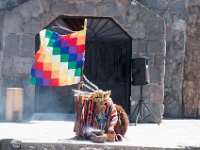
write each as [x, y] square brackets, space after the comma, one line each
[91, 116]
[60, 59]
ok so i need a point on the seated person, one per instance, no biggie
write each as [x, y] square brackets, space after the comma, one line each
[99, 112]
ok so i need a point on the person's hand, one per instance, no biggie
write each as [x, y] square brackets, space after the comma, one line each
[111, 130]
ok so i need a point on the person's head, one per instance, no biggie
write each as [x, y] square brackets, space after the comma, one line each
[100, 96]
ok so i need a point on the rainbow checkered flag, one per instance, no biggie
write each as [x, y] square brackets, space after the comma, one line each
[60, 59]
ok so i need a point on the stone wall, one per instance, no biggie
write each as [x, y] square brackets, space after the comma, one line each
[9, 4]
[191, 89]
[174, 12]
[23, 22]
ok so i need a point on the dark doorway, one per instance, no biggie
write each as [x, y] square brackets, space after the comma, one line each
[107, 64]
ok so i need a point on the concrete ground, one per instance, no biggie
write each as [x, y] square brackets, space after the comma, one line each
[170, 134]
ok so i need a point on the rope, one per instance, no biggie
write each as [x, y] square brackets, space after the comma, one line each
[90, 88]
[91, 84]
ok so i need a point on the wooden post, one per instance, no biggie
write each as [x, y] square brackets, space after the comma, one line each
[14, 104]
[78, 99]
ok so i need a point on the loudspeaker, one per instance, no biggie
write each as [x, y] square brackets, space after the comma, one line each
[140, 71]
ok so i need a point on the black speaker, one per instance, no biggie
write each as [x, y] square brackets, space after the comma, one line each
[140, 71]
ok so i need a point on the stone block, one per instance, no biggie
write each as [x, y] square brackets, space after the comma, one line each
[168, 18]
[22, 66]
[86, 8]
[16, 66]
[179, 25]
[194, 3]
[29, 97]
[138, 30]
[159, 60]
[156, 94]
[155, 75]
[45, 5]
[62, 7]
[110, 10]
[177, 83]
[2, 5]
[178, 6]
[155, 31]
[135, 93]
[155, 47]
[1, 62]
[1, 41]
[32, 27]
[180, 39]
[7, 65]
[157, 110]
[10, 144]
[139, 46]
[28, 45]
[168, 76]
[12, 45]
[30, 9]
[149, 17]
[192, 30]
[64, 147]
[151, 59]
[190, 99]
[2, 20]
[172, 102]
[143, 2]
[170, 34]
[132, 12]
[170, 52]
[12, 22]
[156, 4]
[46, 147]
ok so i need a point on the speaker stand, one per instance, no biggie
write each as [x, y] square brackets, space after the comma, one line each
[138, 111]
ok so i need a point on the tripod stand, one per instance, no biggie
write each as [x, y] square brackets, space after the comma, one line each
[138, 109]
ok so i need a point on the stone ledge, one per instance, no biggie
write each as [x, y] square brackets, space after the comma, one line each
[19, 145]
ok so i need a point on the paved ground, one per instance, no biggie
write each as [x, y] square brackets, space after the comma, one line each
[169, 134]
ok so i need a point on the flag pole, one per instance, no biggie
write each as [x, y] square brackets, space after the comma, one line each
[78, 99]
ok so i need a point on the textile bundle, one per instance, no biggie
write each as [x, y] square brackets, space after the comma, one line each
[97, 111]
[60, 58]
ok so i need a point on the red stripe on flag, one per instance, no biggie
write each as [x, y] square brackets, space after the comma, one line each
[72, 42]
[37, 56]
[65, 37]
[39, 66]
[81, 48]
[55, 82]
[47, 74]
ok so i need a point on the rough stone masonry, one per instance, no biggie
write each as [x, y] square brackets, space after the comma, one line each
[22, 21]
[180, 82]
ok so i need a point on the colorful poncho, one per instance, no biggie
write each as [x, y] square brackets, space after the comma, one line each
[89, 116]
[60, 58]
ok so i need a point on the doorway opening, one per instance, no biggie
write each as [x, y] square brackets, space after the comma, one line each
[107, 63]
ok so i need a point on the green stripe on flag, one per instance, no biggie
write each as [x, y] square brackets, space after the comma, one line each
[51, 43]
[48, 34]
[56, 51]
[78, 72]
[64, 58]
[72, 65]
[33, 80]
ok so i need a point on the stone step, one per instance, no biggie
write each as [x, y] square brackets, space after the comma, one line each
[9, 144]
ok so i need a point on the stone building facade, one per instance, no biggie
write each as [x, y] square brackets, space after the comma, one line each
[173, 64]
[21, 22]
[182, 56]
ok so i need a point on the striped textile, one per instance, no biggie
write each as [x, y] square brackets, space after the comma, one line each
[60, 59]
[89, 116]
